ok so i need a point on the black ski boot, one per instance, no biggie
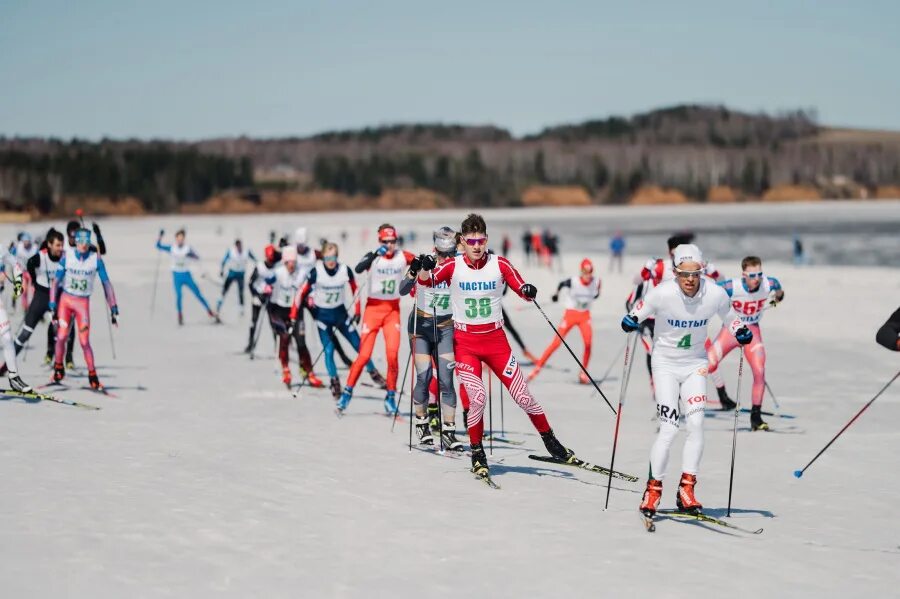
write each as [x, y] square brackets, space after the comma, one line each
[479, 460]
[727, 403]
[423, 432]
[336, 388]
[94, 381]
[555, 448]
[59, 373]
[448, 436]
[378, 379]
[17, 384]
[756, 421]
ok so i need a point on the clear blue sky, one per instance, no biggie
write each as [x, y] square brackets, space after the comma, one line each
[191, 70]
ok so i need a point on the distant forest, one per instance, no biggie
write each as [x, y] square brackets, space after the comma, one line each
[689, 148]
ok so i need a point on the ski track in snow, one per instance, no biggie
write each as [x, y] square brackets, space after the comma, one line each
[214, 482]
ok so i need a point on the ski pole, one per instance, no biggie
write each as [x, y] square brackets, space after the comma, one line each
[437, 360]
[502, 422]
[412, 350]
[737, 411]
[799, 473]
[412, 387]
[490, 390]
[263, 309]
[623, 388]
[772, 395]
[155, 282]
[574, 357]
[112, 342]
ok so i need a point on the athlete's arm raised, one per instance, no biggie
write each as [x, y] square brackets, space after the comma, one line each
[441, 274]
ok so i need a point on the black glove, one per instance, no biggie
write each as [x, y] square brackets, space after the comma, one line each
[555, 298]
[161, 233]
[529, 291]
[416, 265]
[743, 335]
[428, 262]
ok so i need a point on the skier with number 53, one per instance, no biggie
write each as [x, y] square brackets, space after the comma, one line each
[683, 308]
[386, 266]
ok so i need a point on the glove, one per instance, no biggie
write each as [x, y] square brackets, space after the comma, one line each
[630, 323]
[267, 290]
[555, 298]
[529, 291]
[161, 233]
[355, 319]
[382, 250]
[743, 335]
[776, 299]
[17, 288]
[416, 265]
[114, 313]
[428, 262]
[291, 324]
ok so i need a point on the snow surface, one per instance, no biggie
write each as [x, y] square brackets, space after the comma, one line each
[205, 479]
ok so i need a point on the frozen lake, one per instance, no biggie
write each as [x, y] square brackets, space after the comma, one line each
[205, 479]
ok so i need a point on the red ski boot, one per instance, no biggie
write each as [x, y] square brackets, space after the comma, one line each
[685, 499]
[652, 495]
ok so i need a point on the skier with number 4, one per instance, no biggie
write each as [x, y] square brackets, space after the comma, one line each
[476, 281]
[683, 308]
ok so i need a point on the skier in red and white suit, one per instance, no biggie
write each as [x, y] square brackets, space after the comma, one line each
[476, 282]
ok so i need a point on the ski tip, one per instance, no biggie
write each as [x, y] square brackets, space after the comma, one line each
[798, 473]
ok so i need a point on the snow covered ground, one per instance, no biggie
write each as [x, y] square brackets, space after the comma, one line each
[205, 479]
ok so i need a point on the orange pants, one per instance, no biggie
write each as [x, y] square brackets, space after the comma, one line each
[384, 316]
[571, 318]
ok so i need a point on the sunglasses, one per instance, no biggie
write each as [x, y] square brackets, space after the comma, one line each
[388, 241]
[475, 240]
[688, 274]
[753, 275]
[329, 259]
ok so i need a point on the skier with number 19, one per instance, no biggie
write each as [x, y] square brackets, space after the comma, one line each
[476, 282]
[386, 266]
[683, 308]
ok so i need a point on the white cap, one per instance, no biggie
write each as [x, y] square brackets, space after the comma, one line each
[288, 254]
[300, 236]
[687, 252]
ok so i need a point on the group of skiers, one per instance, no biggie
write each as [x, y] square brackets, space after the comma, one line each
[457, 327]
[55, 277]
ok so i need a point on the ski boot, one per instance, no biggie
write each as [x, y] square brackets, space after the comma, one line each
[390, 402]
[378, 379]
[555, 448]
[756, 421]
[59, 373]
[286, 376]
[583, 379]
[448, 436]
[652, 495]
[17, 384]
[48, 359]
[685, 499]
[727, 403]
[312, 379]
[180, 319]
[344, 401]
[94, 381]
[423, 431]
[214, 316]
[335, 388]
[479, 461]
[434, 421]
[70, 363]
